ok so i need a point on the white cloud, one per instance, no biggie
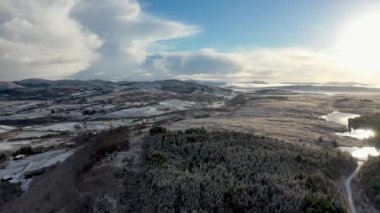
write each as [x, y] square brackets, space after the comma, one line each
[118, 40]
[281, 64]
[129, 33]
[60, 38]
[39, 39]
[197, 62]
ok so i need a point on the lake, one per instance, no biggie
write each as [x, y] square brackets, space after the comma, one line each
[359, 153]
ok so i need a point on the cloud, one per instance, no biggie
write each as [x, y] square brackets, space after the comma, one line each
[129, 34]
[39, 39]
[197, 62]
[61, 38]
[273, 64]
[118, 40]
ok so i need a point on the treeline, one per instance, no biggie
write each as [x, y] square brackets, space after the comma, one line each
[369, 177]
[365, 121]
[221, 171]
[371, 121]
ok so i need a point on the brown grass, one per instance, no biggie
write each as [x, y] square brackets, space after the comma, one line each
[4, 136]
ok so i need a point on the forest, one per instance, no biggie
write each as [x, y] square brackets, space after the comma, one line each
[194, 170]
[371, 121]
[369, 175]
[369, 178]
[222, 171]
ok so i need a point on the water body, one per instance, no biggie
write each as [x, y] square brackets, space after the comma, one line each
[339, 117]
[360, 134]
[342, 119]
[361, 154]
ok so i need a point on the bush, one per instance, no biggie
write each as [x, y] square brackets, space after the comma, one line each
[157, 130]
[8, 192]
[26, 150]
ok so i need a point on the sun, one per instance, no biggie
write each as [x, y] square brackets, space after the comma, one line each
[358, 47]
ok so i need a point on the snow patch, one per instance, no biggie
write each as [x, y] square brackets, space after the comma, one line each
[61, 127]
[6, 146]
[17, 168]
[176, 104]
[135, 113]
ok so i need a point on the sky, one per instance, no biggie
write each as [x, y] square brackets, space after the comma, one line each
[215, 40]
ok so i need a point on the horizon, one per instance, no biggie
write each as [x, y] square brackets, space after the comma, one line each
[147, 40]
[231, 83]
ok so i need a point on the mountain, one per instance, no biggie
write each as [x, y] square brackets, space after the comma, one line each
[34, 82]
[208, 83]
[256, 82]
[352, 83]
[8, 85]
[42, 89]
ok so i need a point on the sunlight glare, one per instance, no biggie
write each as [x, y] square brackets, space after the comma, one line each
[359, 44]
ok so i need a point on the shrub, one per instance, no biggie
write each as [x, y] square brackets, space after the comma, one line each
[157, 130]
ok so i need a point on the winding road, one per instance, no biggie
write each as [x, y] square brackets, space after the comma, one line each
[348, 187]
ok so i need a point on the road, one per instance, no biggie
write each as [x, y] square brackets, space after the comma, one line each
[348, 187]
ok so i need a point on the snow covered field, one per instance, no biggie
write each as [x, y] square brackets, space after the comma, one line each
[6, 146]
[4, 129]
[60, 127]
[16, 169]
[135, 113]
[22, 116]
[177, 105]
[162, 107]
[34, 134]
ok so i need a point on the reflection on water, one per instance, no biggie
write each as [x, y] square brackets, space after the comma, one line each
[342, 118]
[339, 117]
[360, 134]
[361, 154]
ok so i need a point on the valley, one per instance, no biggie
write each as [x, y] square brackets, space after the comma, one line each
[43, 132]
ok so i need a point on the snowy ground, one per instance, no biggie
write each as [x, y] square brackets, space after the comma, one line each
[34, 134]
[17, 107]
[4, 129]
[176, 105]
[135, 113]
[16, 169]
[6, 146]
[104, 125]
[162, 107]
[60, 127]
[217, 104]
[22, 116]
